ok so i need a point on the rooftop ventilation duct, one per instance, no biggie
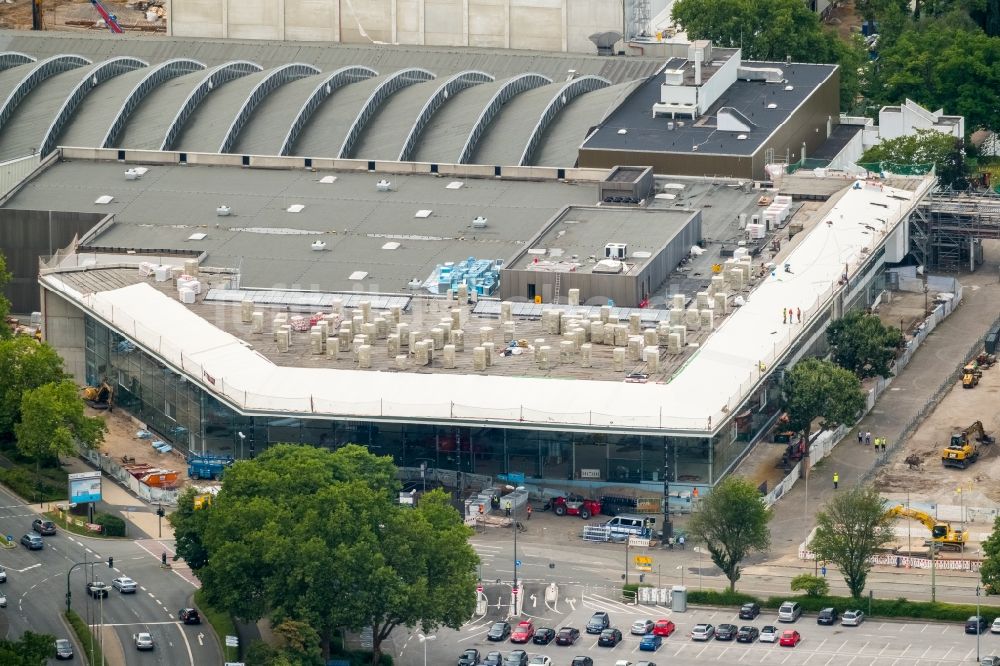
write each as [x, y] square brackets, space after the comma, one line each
[605, 41]
[766, 74]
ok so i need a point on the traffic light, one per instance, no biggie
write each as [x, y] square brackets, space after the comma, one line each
[160, 512]
[111, 563]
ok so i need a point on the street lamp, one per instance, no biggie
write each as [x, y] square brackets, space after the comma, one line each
[243, 438]
[425, 640]
[681, 567]
[979, 626]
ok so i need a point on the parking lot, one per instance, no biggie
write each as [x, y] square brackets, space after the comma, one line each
[874, 643]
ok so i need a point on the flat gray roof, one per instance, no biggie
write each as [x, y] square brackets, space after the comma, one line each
[272, 247]
[581, 232]
[645, 133]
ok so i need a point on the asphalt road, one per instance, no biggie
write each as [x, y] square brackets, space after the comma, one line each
[36, 593]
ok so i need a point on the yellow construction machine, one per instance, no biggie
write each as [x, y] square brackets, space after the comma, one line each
[941, 532]
[971, 374]
[963, 450]
[98, 397]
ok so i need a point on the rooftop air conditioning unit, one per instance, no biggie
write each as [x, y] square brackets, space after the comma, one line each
[479, 222]
[616, 251]
[383, 185]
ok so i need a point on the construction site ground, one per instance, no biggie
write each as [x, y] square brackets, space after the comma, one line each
[74, 15]
[935, 483]
[122, 440]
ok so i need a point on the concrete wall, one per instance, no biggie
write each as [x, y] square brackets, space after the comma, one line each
[63, 328]
[27, 235]
[546, 25]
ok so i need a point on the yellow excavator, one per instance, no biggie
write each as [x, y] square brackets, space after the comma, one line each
[963, 450]
[941, 532]
[99, 397]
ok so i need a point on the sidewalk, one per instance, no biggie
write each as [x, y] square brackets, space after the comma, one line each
[939, 355]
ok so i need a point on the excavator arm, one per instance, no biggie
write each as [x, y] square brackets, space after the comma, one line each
[941, 532]
[109, 19]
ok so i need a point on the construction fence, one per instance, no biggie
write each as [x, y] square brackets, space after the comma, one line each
[138, 488]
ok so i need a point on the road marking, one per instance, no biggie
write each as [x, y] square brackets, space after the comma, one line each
[201, 639]
[33, 566]
[187, 645]
[132, 624]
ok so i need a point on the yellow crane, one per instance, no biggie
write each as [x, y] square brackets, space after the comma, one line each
[941, 532]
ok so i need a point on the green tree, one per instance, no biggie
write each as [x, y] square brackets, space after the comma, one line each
[816, 388]
[863, 345]
[733, 524]
[944, 151]
[53, 421]
[813, 586]
[942, 63]
[189, 527]
[5, 331]
[319, 537]
[24, 364]
[989, 572]
[851, 528]
[30, 650]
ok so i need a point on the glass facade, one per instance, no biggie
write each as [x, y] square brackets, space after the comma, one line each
[191, 418]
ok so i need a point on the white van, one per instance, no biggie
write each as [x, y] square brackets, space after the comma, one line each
[789, 611]
[629, 523]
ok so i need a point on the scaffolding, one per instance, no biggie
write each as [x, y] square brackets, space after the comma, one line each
[947, 229]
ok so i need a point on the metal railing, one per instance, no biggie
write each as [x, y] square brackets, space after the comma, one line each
[337, 79]
[566, 94]
[274, 80]
[510, 89]
[95, 77]
[452, 85]
[41, 71]
[12, 59]
[215, 77]
[393, 84]
[157, 75]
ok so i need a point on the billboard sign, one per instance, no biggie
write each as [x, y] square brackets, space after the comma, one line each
[84, 487]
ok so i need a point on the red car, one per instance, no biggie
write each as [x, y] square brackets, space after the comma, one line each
[575, 505]
[789, 638]
[522, 632]
[663, 628]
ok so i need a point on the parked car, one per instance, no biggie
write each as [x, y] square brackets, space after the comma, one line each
[494, 658]
[749, 611]
[995, 627]
[599, 621]
[3, 575]
[650, 643]
[852, 618]
[644, 663]
[975, 625]
[610, 637]
[543, 636]
[522, 632]
[43, 527]
[98, 589]
[702, 632]
[32, 542]
[789, 611]
[567, 636]
[664, 628]
[189, 616]
[469, 658]
[124, 584]
[790, 638]
[574, 505]
[641, 627]
[827, 616]
[747, 634]
[582, 661]
[516, 658]
[3, 600]
[144, 641]
[498, 632]
[768, 634]
[726, 632]
[540, 660]
[64, 649]
[990, 661]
